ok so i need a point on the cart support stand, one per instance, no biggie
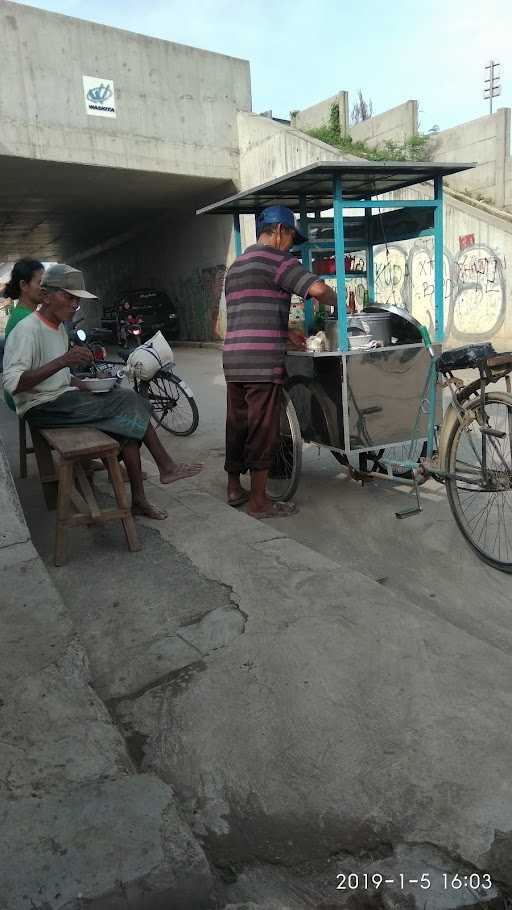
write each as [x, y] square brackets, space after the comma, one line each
[414, 510]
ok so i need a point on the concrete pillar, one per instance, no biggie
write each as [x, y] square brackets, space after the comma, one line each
[344, 112]
[412, 111]
[502, 154]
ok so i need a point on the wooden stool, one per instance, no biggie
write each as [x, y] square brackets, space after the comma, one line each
[73, 444]
[25, 449]
[46, 468]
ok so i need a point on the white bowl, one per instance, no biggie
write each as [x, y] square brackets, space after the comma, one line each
[105, 384]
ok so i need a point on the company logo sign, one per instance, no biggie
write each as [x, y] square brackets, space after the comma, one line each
[99, 96]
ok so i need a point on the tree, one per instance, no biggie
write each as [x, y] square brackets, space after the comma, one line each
[362, 109]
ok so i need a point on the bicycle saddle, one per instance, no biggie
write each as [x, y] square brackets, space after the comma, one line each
[464, 358]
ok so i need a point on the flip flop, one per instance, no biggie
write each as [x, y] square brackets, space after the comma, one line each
[239, 500]
[278, 510]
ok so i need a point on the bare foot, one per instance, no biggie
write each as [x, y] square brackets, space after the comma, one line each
[143, 507]
[180, 472]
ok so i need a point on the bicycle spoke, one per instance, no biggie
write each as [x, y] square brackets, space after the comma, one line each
[173, 409]
[482, 498]
[285, 470]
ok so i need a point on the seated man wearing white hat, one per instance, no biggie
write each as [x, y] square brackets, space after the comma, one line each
[37, 374]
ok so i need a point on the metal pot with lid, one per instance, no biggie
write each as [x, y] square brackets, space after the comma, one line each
[376, 325]
[404, 328]
[361, 330]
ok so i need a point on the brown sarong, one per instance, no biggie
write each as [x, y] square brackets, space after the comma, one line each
[252, 425]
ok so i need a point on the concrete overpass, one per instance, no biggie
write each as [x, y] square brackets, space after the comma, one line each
[56, 210]
[78, 180]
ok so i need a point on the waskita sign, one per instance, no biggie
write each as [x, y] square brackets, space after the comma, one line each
[99, 96]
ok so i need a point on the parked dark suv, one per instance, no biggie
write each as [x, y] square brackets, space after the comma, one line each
[155, 308]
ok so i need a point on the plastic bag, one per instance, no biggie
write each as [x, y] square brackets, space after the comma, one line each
[317, 343]
[145, 361]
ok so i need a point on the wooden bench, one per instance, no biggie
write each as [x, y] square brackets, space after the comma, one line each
[73, 445]
[24, 447]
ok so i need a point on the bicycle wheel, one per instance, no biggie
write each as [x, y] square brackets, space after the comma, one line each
[283, 477]
[316, 413]
[173, 404]
[480, 486]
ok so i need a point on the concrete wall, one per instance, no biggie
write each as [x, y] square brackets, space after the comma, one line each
[394, 125]
[486, 141]
[268, 150]
[508, 184]
[477, 283]
[319, 115]
[176, 105]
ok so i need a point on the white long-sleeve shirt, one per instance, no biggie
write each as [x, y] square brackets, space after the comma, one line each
[31, 345]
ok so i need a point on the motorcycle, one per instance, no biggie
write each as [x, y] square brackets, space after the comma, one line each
[130, 332]
[92, 340]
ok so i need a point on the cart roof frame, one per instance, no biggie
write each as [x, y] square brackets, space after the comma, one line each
[314, 183]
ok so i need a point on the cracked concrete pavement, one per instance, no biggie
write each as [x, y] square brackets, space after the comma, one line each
[305, 719]
[77, 822]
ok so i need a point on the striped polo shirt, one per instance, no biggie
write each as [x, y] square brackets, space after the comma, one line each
[259, 286]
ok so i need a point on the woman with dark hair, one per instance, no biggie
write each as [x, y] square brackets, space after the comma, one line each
[24, 286]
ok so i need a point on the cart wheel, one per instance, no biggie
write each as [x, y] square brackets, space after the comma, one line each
[315, 411]
[283, 477]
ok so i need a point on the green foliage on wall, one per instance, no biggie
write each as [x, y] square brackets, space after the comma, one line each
[414, 148]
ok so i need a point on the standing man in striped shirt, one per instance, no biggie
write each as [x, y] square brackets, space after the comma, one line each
[259, 286]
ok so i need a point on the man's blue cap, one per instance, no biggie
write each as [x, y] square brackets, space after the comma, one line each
[279, 214]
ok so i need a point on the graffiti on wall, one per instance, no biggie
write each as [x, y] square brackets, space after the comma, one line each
[473, 290]
[473, 285]
[200, 301]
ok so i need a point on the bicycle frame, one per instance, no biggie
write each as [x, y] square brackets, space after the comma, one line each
[457, 412]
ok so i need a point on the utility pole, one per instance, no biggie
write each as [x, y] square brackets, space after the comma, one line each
[492, 87]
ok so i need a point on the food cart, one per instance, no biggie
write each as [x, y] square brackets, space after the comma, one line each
[368, 398]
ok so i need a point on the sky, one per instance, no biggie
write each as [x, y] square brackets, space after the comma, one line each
[302, 52]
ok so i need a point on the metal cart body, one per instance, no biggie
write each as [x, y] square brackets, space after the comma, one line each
[371, 398]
